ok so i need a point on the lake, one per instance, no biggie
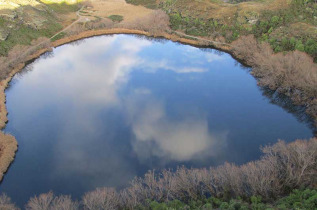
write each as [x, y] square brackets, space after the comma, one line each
[103, 110]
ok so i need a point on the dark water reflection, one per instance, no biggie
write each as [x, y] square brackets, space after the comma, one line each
[101, 111]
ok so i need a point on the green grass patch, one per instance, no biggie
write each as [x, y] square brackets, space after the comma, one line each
[62, 8]
[151, 4]
[58, 36]
[116, 18]
[24, 35]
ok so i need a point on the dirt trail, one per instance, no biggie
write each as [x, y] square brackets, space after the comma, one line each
[79, 19]
[202, 39]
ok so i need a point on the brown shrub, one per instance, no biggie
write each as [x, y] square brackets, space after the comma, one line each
[6, 204]
[261, 178]
[293, 74]
[101, 23]
[296, 162]
[283, 167]
[157, 22]
[101, 198]
[50, 202]
[19, 54]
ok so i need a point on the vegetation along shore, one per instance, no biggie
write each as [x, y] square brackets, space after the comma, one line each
[278, 39]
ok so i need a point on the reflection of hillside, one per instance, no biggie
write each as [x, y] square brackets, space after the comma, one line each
[283, 101]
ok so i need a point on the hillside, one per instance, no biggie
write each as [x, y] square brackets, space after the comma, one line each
[22, 21]
[286, 25]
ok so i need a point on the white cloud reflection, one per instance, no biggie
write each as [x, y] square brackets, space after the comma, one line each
[154, 66]
[180, 140]
[88, 78]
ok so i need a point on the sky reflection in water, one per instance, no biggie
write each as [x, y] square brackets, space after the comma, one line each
[102, 111]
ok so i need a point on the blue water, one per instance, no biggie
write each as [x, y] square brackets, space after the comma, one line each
[106, 109]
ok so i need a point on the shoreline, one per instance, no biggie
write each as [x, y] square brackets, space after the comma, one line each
[10, 143]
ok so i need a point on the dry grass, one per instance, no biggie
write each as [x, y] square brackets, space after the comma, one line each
[156, 22]
[9, 146]
[106, 8]
[224, 11]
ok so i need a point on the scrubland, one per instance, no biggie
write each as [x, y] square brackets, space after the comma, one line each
[259, 184]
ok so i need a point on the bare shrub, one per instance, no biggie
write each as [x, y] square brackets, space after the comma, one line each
[101, 23]
[6, 204]
[50, 202]
[293, 74]
[296, 162]
[261, 178]
[188, 184]
[101, 198]
[283, 167]
[156, 22]
[75, 29]
[20, 53]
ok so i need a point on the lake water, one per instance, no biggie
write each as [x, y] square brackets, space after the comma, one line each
[101, 111]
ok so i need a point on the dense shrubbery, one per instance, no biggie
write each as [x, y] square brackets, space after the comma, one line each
[298, 199]
[202, 27]
[99, 200]
[272, 20]
[266, 28]
[255, 185]
[293, 74]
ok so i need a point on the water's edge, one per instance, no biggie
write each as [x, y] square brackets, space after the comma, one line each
[10, 142]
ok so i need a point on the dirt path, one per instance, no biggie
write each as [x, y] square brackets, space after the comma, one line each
[202, 39]
[80, 18]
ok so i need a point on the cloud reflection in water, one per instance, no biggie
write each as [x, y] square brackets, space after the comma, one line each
[113, 107]
[88, 79]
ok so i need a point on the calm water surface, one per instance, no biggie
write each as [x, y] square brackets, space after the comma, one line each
[101, 111]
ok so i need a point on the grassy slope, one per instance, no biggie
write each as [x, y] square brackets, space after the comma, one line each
[30, 20]
[286, 25]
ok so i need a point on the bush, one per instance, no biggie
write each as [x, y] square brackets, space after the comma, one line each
[116, 18]
[256, 185]
[101, 198]
[51, 202]
[6, 204]
[299, 199]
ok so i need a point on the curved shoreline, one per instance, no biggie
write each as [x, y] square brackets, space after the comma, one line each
[9, 141]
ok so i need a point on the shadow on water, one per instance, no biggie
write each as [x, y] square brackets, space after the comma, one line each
[286, 103]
